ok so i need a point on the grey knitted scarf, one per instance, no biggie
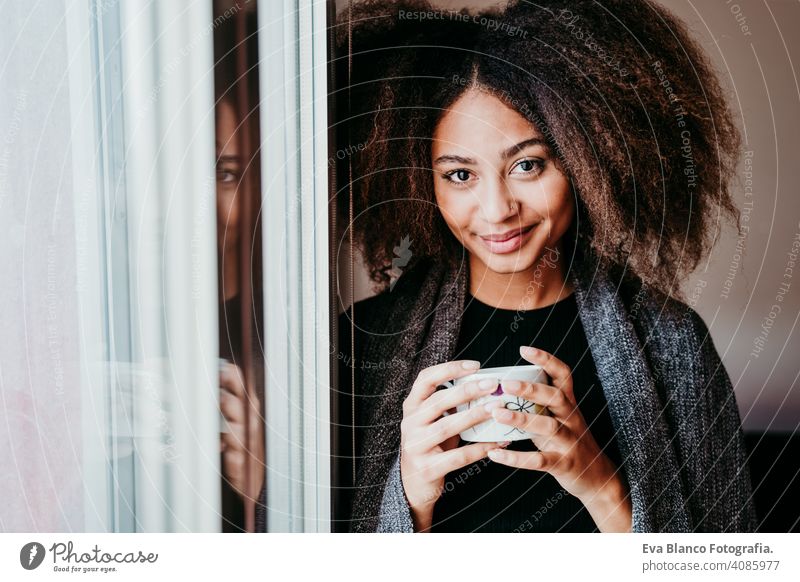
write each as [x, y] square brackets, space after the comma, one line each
[670, 399]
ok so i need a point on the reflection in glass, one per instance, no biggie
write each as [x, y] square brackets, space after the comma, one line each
[239, 271]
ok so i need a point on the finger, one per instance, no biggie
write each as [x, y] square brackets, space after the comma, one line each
[231, 407]
[547, 428]
[532, 460]
[452, 425]
[433, 376]
[559, 372]
[462, 456]
[236, 440]
[236, 406]
[446, 400]
[232, 442]
[551, 397]
[437, 433]
[231, 379]
[236, 431]
[241, 431]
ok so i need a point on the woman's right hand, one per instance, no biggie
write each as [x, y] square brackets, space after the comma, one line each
[240, 450]
[429, 440]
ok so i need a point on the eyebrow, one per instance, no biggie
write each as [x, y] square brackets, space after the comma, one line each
[522, 145]
[224, 159]
[507, 153]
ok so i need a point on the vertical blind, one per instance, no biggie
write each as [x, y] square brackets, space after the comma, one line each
[297, 281]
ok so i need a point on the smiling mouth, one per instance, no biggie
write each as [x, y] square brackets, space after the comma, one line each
[507, 242]
[507, 235]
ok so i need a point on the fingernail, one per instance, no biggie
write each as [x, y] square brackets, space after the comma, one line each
[486, 384]
[470, 364]
[503, 415]
[511, 385]
[528, 350]
[489, 406]
[497, 455]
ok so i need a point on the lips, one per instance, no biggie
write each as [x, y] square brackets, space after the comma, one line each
[507, 242]
[506, 235]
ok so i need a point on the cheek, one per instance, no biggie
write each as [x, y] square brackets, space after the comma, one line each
[564, 211]
[558, 207]
[227, 209]
[225, 198]
[455, 212]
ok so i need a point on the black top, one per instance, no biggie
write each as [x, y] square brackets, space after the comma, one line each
[489, 497]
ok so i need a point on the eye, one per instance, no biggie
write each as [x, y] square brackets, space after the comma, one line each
[529, 166]
[227, 176]
[459, 176]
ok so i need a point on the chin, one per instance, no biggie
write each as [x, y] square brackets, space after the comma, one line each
[509, 264]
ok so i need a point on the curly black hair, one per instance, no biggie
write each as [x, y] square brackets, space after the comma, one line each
[627, 100]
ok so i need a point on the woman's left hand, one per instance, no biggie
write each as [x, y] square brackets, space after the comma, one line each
[567, 449]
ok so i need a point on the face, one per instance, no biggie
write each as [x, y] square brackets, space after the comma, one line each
[498, 185]
[229, 168]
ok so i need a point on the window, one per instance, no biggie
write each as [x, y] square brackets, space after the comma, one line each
[110, 374]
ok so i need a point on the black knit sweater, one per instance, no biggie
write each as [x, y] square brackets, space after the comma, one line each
[669, 397]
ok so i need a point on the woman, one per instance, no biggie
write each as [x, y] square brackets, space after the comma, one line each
[242, 441]
[242, 451]
[557, 170]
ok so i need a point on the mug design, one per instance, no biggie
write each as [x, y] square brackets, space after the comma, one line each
[517, 405]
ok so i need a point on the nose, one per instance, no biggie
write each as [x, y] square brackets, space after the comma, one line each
[497, 202]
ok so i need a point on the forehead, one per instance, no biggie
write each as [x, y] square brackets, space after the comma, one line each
[478, 120]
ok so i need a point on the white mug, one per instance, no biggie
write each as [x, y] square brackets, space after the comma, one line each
[491, 430]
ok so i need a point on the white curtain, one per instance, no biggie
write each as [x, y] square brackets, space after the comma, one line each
[108, 373]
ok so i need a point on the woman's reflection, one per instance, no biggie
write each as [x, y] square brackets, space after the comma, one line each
[242, 437]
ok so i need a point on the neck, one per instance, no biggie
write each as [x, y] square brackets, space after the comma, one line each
[543, 284]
